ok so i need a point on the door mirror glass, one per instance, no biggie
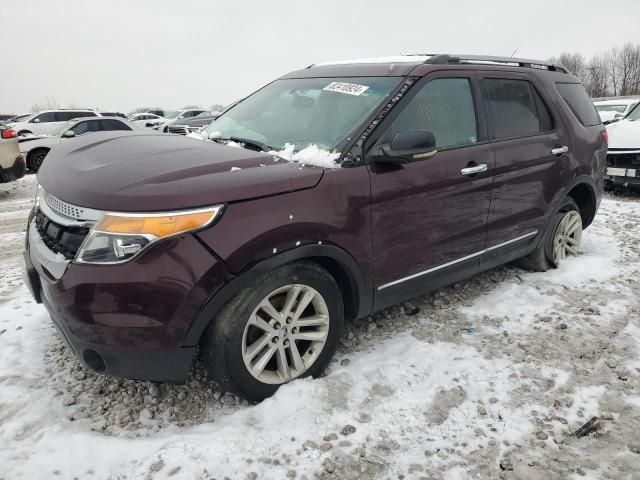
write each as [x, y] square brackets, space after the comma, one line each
[36, 120]
[69, 134]
[407, 147]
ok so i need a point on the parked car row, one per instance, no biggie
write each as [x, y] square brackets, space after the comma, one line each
[623, 158]
[614, 109]
[36, 148]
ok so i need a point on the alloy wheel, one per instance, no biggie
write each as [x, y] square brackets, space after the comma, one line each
[567, 238]
[285, 334]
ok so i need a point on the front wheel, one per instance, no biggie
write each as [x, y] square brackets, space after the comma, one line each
[286, 325]
[561, 241]
[35, 158]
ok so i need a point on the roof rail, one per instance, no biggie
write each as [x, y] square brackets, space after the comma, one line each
[442, 59]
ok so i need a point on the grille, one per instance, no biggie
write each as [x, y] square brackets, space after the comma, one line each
[59, 238]
[64, 208]
[182, 130]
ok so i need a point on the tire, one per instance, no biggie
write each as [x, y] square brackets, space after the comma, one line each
[242, 337]
[556, 244]
[36, 157]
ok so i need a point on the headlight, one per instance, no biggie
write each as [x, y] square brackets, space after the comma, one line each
[39, 192]
[118, 237]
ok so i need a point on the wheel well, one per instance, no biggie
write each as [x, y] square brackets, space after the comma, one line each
[348, 287]
[585, 198]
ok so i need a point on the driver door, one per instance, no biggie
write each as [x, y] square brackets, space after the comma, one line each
[429, 217]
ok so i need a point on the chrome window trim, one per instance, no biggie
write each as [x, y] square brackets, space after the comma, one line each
[453, 262]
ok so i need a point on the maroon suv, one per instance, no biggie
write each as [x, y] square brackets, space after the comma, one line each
[401, 175]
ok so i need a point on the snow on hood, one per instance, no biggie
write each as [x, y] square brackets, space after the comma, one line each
[312, 155]
[624, 134]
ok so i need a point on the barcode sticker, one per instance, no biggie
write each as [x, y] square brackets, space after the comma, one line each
[348, 88]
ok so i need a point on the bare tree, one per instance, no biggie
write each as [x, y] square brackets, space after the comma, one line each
[629, 69]
[614, 72]
[217, 107]
[575, 63]
[596, 81]
[49, 104]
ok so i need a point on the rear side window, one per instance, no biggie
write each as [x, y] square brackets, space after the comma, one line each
[578, 101]
[514, 109]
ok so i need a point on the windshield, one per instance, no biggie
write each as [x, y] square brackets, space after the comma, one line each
[304, 112]
[171, 114]
[62, 128]
[635, 113]
[611, 108]
[20, 118]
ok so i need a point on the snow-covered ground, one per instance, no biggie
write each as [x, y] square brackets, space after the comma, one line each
[487, 378]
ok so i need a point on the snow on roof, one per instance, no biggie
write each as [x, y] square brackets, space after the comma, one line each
[392, 59]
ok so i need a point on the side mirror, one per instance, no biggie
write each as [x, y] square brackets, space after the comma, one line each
[69, 134]
[149, 125]
[37, 120]
[407, 147]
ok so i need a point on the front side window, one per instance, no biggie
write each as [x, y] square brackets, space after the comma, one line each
[305, 111]
[514, 109]
[443, 107]
[44, 117]
[81, 128]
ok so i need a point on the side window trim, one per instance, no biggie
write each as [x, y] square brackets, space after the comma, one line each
[481, 126]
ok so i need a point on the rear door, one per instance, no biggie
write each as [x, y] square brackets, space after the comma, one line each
[428, 216]
[532, 152]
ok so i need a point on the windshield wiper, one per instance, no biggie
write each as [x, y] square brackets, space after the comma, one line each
[246, 142]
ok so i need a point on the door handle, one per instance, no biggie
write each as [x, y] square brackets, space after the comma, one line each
[559, 150]
[482, 167]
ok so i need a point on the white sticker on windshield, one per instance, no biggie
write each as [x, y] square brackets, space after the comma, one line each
[348, 88]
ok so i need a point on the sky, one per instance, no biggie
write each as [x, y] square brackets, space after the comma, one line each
[123, 54]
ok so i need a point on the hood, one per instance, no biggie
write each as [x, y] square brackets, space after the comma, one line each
[134, 171]
[624, 134]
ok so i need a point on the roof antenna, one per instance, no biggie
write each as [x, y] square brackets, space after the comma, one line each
[514, 52]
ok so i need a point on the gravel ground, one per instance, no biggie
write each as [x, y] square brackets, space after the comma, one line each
[488, 378]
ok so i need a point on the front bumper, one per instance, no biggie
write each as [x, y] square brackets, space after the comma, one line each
[15, 171]
[623, 167]
[128, 320]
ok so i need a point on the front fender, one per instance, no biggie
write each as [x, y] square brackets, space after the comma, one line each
[361, 295]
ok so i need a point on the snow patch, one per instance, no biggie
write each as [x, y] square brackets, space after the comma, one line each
[311, 155]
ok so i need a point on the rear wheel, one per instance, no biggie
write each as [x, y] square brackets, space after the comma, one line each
[35, 158]
[286, 325]
[561, 241]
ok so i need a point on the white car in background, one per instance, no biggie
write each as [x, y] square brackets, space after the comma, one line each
[11, 162]
[614, 109]
[171, 117]
[47, 121]
[623, 155]
[147, 120]
[36, 148]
